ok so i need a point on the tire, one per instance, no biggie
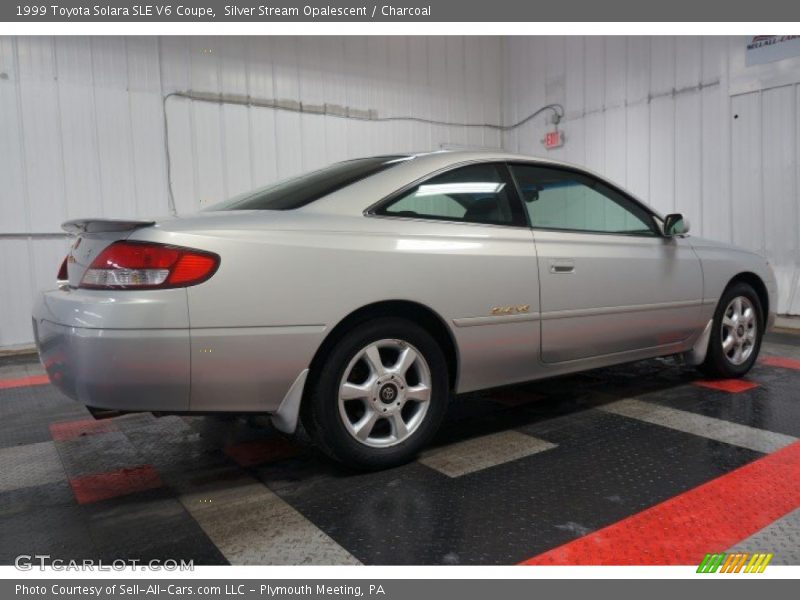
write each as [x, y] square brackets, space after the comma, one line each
[363, 391]
[724, 362]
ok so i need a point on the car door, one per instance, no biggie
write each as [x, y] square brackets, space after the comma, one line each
[466, 252]
[610, 282]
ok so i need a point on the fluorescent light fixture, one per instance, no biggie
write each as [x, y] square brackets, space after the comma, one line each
[477, 187]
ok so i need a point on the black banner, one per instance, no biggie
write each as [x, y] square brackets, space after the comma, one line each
[394, 589]
[254, 11]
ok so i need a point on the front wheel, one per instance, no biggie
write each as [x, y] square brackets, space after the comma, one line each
[380, 396]
[736, 333]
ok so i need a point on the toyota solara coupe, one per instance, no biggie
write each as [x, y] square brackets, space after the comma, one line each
[356, 300]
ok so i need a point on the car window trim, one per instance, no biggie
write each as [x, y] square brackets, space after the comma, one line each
[654, 216]
[519, 214]
[648, 236]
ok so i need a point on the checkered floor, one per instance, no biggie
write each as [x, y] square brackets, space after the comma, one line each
[642, 464]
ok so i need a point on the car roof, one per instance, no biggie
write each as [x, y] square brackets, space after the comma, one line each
[439, 159]
[457, 156]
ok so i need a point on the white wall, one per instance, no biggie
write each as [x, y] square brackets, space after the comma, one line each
[681, 122]
[82, 126]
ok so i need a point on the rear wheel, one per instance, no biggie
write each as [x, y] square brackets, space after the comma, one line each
[380, 396]
[736, 333]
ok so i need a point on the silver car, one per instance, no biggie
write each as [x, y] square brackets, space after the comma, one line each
[359, 298]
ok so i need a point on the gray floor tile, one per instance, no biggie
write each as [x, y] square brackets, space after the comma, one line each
[781, 538]
[482, 452]
[249, 524]
[708, 427]
[31, 465]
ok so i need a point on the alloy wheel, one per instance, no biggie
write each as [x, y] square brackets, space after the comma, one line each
[739, 330]
[385, 393]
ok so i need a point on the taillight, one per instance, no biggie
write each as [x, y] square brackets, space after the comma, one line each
[62, 276]
[144, 265]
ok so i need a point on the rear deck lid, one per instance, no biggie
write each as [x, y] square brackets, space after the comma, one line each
[79, 226]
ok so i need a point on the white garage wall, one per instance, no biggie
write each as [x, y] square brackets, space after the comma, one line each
[82, 126]
[682, 123]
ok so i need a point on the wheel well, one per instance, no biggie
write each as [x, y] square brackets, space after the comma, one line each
[757, 284]
[413, 311]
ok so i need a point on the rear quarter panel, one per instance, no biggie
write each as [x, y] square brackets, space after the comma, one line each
[279, 291]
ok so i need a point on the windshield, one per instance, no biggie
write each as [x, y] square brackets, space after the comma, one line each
[304, 189]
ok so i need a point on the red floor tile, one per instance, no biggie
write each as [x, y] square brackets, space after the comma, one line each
[709, 518]
[24, 381]
[780, 361]
[102, 486]
[69, 430]
[249, 454]
[727, 385]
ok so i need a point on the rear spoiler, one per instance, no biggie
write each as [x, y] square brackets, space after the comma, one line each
[102, 225]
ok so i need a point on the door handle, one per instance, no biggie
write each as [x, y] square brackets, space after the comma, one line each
[562, 266]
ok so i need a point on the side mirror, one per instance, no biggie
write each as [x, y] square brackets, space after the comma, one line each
[675, 224]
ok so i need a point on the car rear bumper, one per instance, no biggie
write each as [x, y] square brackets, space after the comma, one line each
[92, 354]
[117, 369]
[136, 352]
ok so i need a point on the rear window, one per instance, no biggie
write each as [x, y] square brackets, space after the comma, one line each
[305, 189]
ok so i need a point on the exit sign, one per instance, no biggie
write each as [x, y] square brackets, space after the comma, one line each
[553, 139]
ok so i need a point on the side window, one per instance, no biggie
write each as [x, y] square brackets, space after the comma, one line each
[559, 199]
[472, 194]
